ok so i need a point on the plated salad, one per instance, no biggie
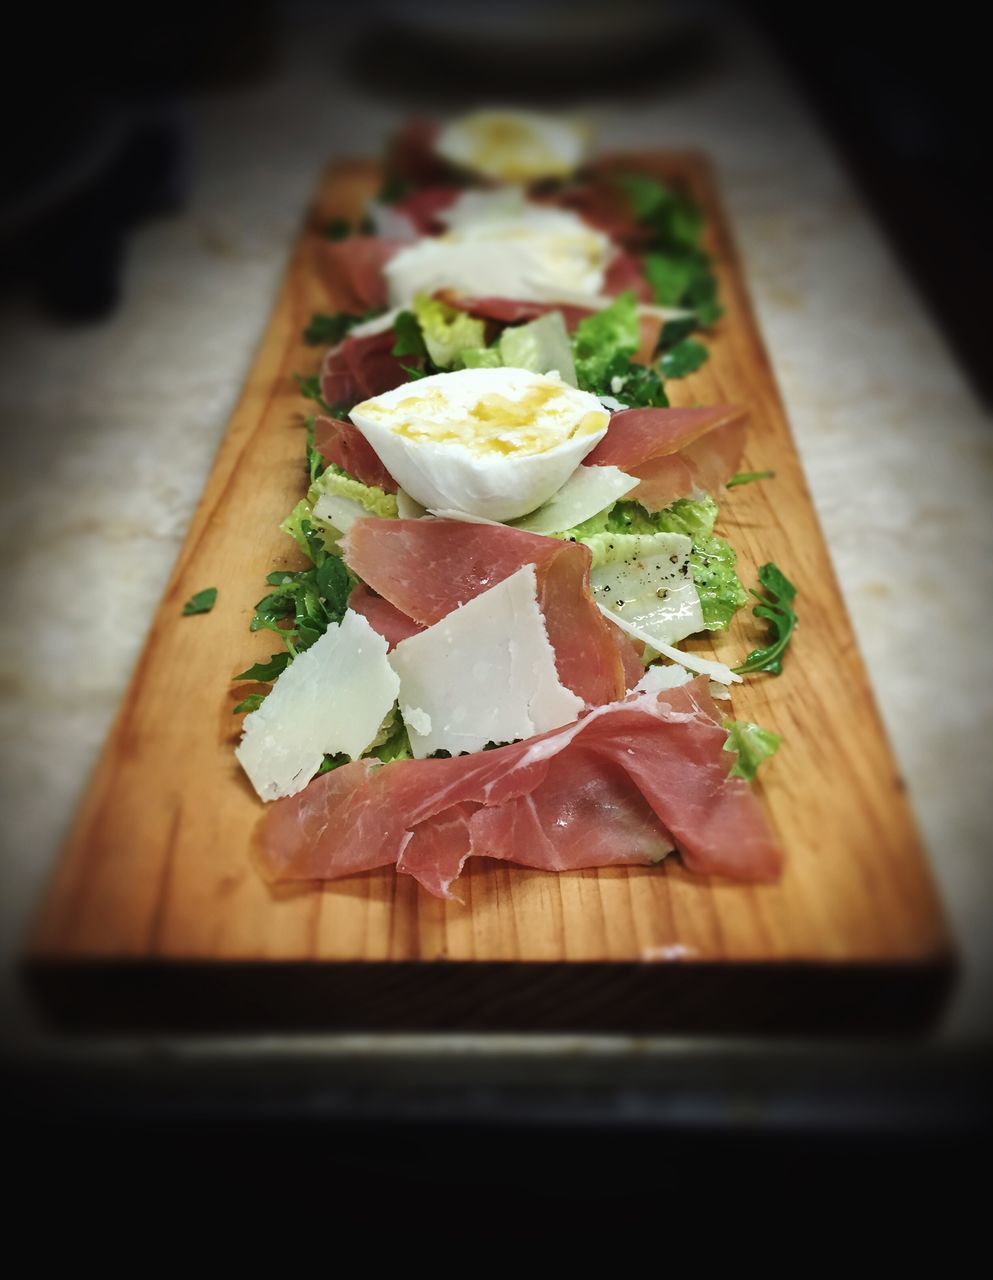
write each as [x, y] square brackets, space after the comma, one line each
[509, 534]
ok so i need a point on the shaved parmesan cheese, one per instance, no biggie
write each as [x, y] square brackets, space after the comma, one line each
[587, 492]
[646, 579]
[703, 666]
[332, 698]
[659, 677]
[449, 513]
[340, 513]
[485, 673]
[378, 324]
[408, 508]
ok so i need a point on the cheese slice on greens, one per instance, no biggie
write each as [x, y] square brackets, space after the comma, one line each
[702, 666]
[587, 492]
[485, 673]
[331, 699]
[646, 580]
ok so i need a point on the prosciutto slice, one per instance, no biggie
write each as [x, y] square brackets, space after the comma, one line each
[359, 368]
[674, 452]
[344, 444]
[352, 270]
[506, 311]
[424, 207]
[386, 618]
[427, 568]
[617, 787]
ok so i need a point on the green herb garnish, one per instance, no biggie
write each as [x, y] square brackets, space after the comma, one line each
[776, 607]
[753, 745]
[202, 602]
[749, 477]
[683, 358]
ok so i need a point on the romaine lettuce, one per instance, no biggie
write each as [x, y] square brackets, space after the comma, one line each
[447, 332]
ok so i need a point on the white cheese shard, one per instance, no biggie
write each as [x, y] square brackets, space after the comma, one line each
[646, 580]
[702, 666]
[332, 698]
[587, 492]
[485, 673]
[340, 513]
[659, 677]
[408, 508]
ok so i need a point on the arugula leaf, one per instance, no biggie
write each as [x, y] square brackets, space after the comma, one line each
[753, 745]
[338, 229]
[393, 190]
[326, 329]
[409, 339]
[310, 389]
[676, 266]
[683, 358]
[332, 762]
[674, 331]
[251, 703]
[639, 388]
[776, 607]
[748, 477]
[202, 602]
[266, 670]
[315, 461]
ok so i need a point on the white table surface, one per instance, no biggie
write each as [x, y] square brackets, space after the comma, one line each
[111, 431]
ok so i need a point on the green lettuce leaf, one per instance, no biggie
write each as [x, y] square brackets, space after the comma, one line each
[337, 483]
[481, 358]
[712, 560]
[446, 331]
[603, 344]
[753, 745]
[542, 346]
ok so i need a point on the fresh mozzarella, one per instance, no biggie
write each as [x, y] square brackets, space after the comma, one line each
[499, 244]
[514, 146]
[702, 666]
[587, 492]
[494, 443]
[485, 673]
[332, 698]
[646, 579]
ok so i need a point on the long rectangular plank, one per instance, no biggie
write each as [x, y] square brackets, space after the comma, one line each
[157, 911]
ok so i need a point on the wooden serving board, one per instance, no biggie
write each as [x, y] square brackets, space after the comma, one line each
[157, 915]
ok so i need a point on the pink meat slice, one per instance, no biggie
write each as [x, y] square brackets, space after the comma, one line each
[382, 616]
[353, 270]
[423, 207]
[344, 444]
[427, 568]
[359, 368]
[611, 789]
[674, 452]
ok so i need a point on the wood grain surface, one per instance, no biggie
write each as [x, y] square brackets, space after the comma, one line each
[157, 914]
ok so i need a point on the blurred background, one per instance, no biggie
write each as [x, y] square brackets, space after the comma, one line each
[156, 170]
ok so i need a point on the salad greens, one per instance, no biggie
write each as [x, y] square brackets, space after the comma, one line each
[201, 602]
[753, 745]
[776, 607]
[677, 267]
[603, 345]
[445, 331]
[749, 477]
[712, 560]
[328, 329]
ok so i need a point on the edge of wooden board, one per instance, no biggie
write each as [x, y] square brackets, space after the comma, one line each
[402, 993]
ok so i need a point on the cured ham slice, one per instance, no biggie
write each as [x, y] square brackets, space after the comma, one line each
[424, 207]
[352, 269]
[386, 618]
[506, 311]
[359, 368]
[624, 273]
[344, 444]
[411, 157]
[674, 452]
[427, 568]
[617, 787]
